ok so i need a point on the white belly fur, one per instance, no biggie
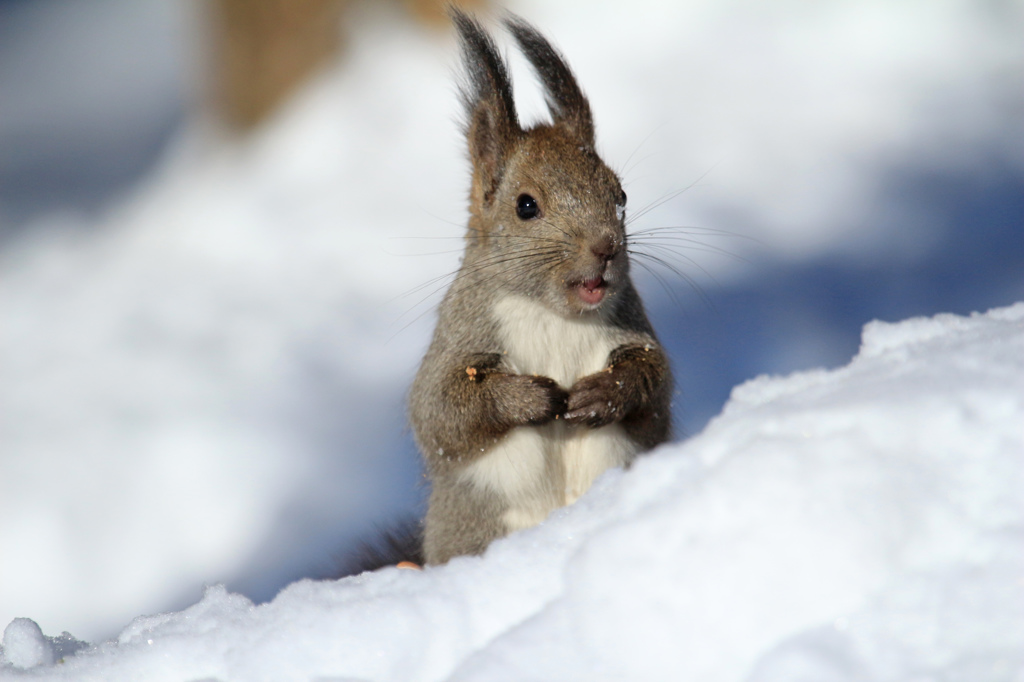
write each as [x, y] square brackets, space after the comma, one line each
[538, 469]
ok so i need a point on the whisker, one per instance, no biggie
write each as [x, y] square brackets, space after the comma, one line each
[424, 253]
[626, 168]
[688, 259]
[697, 230]
[694, 245]
[662, 282]
[525, 261]
[669, 197]
[474, 266]
[689, 279]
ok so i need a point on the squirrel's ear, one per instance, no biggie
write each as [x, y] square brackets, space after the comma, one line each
[492, 126]
[569, 108]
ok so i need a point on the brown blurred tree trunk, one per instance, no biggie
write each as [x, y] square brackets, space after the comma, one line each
[433, 11]
[264, 49]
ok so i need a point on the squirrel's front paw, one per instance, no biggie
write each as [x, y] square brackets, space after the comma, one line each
[595, 400]
[530, 400]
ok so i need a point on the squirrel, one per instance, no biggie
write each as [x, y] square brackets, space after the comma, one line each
[543, 370]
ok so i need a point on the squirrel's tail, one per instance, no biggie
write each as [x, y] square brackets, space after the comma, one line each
[402, 542]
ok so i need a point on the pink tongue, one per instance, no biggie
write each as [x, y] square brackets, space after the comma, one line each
[591, 290]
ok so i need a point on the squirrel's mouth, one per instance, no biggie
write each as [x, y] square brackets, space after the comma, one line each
[591, 291]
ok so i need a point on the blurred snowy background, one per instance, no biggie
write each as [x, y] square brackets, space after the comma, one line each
[205, 337]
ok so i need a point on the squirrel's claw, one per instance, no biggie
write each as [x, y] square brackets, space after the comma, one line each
[593, 401]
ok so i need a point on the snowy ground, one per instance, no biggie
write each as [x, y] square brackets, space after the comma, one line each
[205, 384]
[857, 524]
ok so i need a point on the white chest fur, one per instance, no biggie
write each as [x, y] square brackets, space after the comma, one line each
[539, 341]
[538, 469]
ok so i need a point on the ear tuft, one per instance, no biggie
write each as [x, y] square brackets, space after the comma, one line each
[492, 126]
[569, 107]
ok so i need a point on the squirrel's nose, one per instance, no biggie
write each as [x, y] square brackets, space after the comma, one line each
[605, 248]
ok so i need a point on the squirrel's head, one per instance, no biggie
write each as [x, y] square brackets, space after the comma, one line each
[546, 213]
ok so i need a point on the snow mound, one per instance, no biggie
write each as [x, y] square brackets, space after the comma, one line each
[857, 524]
[205, 381]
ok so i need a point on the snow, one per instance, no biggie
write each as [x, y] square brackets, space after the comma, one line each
[862, 523]
[25, 646]
[205, 383]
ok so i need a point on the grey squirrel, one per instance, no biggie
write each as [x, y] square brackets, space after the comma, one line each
[543, 370]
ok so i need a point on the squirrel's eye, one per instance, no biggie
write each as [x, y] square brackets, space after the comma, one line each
[622, 197]
[526, 207]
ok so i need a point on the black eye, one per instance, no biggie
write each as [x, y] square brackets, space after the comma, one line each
[622, 197]
[526, 207]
